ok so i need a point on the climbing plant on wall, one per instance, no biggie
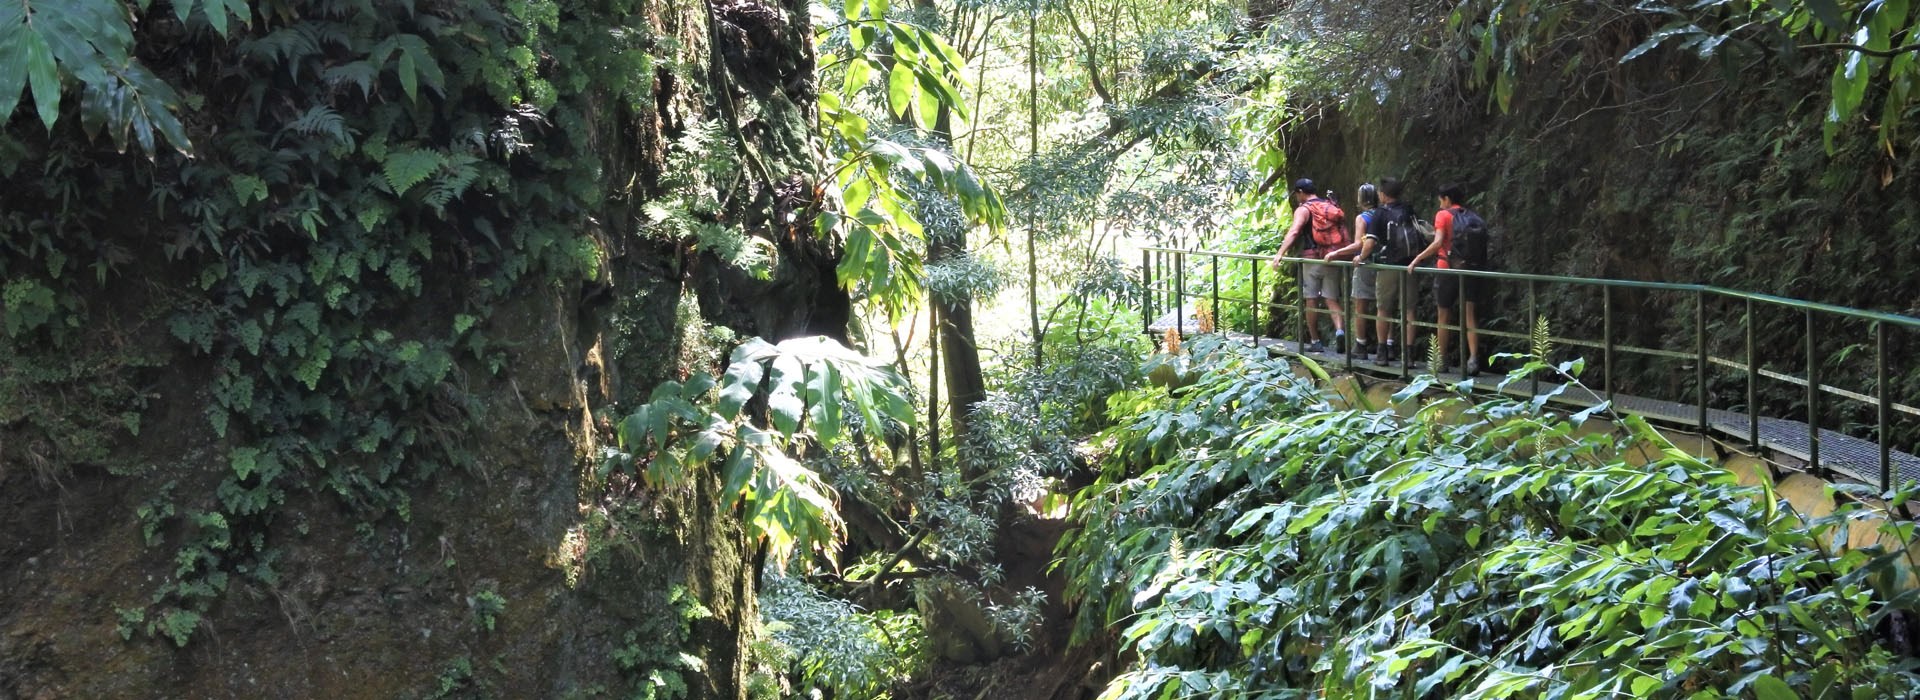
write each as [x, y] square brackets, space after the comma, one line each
[326, 176]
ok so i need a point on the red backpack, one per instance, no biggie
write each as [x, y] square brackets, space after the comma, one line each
[1329, 224]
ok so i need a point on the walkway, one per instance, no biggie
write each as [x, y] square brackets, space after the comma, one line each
[1168, 294]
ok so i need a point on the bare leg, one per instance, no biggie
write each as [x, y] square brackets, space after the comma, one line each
[1360, 307]
[1313, 319]
[1381, 325]
[1445, 335]
[1339, 317]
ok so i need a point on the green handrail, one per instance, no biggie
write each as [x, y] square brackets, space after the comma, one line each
[1179, 257]
[1595, 281]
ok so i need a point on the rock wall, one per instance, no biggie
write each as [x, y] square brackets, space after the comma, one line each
[516, 569]
[1665, 168]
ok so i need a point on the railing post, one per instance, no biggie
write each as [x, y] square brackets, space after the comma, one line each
[1258, 330]
[1180, 295]
[1460, 317]
[1813, 400]
[1700, 355]
[1880, 394]
[1146, 292]
[1533, 317]
[1300, 324]
[1753, 384]
[1606, 343]
[1213, 262]
[1346, 287]
[1408, 287]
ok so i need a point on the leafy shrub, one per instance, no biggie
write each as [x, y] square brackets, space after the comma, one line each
[775, 401]
[654, 656]
[1236, 283]
[1257, 542]
[834, 646]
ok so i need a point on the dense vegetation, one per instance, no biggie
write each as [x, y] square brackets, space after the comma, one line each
[770, 348]
[1255, 539]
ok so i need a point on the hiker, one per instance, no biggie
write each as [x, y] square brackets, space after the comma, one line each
[1391, 235]
[1461, 243]
[1325, 224]
[1361, 251]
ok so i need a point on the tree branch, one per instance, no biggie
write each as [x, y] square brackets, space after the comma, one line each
[1877, 53]
[1093, 57]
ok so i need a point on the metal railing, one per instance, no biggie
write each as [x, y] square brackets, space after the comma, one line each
[1158, 264]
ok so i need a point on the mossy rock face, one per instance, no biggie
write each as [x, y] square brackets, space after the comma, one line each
[518, 571]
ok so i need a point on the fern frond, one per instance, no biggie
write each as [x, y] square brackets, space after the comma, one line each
[358, 73]
[1542, 338]
[410, 167]
[323, 120]
[457, 174]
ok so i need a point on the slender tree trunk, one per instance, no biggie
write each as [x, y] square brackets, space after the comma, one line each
[965, 385]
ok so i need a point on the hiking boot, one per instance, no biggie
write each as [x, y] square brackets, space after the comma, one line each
[1390, 354]
[1339, 342]
[1474, 367]
[1314, 346]
[1362, 350]
[1380, 355]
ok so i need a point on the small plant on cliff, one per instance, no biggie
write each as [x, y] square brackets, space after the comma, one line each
[776, 404]
[487, 604]
[655, 655]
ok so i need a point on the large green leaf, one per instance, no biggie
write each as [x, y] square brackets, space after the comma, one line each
[900, 84]
[43, 78]
[785, 408]
[13, 57]
[1770, 687]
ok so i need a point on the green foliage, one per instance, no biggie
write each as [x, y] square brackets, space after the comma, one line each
[1256, 542]
[457, 680]
[803, 389]
[655, 656]
[866, 201]
[1873, 40]
[1277, 291]
[45, 43]
[354, 171]
[487, 605]
[700, 165]
[832, 646]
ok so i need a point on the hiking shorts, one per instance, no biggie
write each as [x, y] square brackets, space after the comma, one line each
[1363, 283]
[1446, 290]
[1387, 288]
[1323, 282]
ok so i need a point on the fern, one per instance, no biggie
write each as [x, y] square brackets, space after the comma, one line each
[406, 168]
[287, 46]
[1542, 338]
[358, 73]
[322, 120]
[670, 218]
[458, 174]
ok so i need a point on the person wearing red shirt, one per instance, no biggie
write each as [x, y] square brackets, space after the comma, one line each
[1447, 288]
[1320, 284]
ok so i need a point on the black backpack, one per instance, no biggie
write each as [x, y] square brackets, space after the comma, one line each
[1396, 234]
[1472, 241]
